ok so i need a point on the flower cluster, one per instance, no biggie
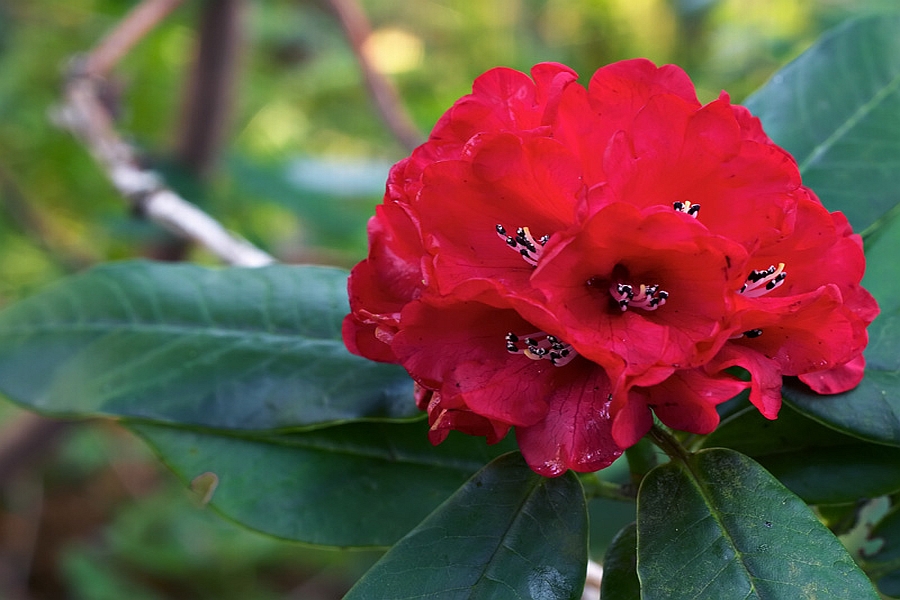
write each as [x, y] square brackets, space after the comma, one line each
[564, 260]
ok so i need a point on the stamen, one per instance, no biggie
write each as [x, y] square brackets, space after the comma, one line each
[524, 243]
[647, 297]
[762, 282]
[541, 346]
[687, 207]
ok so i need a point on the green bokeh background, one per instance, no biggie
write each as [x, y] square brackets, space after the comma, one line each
[87, 512]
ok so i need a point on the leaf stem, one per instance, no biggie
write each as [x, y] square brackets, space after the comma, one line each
[595, 487]
[668, 444]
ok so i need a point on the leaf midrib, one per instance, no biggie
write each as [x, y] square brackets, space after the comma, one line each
[708, 501]
[401, 458]
[858, 115]
[537, 481]
[170, 328]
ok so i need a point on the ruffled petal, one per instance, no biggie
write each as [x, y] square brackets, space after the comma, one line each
[620, 244]
[576, 432]
[837, 380]
[460, 351]
[508, 181]
[765, 376]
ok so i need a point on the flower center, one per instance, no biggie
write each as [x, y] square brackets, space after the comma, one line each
[749, 334]
[541, 346]
[760, 283]
[687, 207]
[524, 243]
[646, 297]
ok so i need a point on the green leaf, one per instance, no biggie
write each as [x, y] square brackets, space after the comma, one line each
[720, 526]
[620, 580]
[871, 411]
[884, 564]
[507, 533]
[838, 475]
[835, 109]
[359, 484]
[234, 348]
[817, 463]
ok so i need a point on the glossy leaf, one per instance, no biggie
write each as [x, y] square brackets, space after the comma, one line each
[721, 527]
[620, 580]
[226, 348]
[507, 533]
[838, 475]
[872, 410]
[359, 484]
[835, 109]
[817, 463]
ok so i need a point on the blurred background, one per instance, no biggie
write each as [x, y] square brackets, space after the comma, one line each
[260, 113]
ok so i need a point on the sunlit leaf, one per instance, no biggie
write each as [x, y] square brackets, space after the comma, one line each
[360, 484]
[835, 109]
[226, 348]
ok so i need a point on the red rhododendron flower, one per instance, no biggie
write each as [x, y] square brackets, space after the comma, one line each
[569, 261]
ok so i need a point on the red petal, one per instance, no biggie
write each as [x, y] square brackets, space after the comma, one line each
[361, 339]
[765, 376]
[837, 380]
[803, 333]
[664, 247]
[511, 182]
[676, 152]
[444, 416]
[631, 422]
[575, 434]
[687, 400]
[619, 90]
[751, 127]
[460, 350]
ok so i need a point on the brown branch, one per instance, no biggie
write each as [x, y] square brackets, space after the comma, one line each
[211, 84]
[85, 115]
[140, 21]
[357, 29]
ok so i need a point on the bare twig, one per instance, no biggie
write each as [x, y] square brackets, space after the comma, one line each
[130, 30]
[211, 84]
[592, 583]
[84, 114]
[357, 29]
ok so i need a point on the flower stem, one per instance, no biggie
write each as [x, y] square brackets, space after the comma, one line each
[594, 487]
[668, 444]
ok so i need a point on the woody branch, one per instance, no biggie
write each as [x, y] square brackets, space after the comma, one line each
[85, 115]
